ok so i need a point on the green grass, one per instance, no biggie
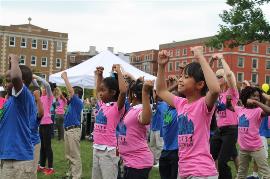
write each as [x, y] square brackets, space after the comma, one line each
[60, 164]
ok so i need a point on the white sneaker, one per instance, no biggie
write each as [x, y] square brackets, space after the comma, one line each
[156, 165]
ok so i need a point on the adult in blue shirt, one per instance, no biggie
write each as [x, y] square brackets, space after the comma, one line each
[72, 124]
[16, 148]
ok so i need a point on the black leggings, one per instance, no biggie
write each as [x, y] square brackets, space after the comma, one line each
[133, 173]
[46, 148]
[168, 164]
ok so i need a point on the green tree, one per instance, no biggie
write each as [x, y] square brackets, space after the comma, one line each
[243, 23]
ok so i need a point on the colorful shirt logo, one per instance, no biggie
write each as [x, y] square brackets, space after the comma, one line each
[185, 131]
[121, 132]
[243, 123]
[168, 117]
[101, 122]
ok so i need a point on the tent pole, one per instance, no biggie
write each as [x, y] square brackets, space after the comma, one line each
[82, 113]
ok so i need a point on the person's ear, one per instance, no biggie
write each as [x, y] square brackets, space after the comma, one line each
[200, 85]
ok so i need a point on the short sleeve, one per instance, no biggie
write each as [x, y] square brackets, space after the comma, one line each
[76, 102]
[179, 102]
[208, 114]
[259, 112]
[233, 92]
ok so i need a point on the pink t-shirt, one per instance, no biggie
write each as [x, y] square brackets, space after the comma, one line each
[248, 128]
[60, 108]
[107, 118]
[132, 141]
[47, 103]
[2, 102]
[224, 116]
[193, 138]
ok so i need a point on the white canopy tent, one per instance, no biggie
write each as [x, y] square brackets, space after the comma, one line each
[83, 74]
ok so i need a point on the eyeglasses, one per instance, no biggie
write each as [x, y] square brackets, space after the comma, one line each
[219, 77]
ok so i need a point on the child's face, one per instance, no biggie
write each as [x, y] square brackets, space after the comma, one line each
[255, 96]
[186, 84]
[105, 93]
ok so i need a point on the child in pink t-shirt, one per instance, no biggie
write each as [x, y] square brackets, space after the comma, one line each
[249, 121]
[132, 132]
[112, 93]
[194, 113]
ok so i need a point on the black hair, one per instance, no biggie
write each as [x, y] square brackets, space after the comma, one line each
[79, 91]
[135, 87]
[194, 70]
[64, 94]
[247, 92]
[112, 84]
[53, 86]
[27, 75]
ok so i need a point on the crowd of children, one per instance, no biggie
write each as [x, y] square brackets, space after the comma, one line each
[177, 119]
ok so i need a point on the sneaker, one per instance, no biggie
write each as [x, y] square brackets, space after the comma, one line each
[156, 165]
[49, 171]
[41, 169]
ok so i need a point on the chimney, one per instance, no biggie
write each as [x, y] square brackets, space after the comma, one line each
[110, 49]
[92, 50]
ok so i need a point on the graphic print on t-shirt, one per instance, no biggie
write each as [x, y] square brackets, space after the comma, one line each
[185, 131]
[243, 123]
[167, 117]
[101, 122]
[121, 132]
[221, 107]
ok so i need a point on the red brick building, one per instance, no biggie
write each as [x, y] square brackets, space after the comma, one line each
[45, 52]
[145, 61]
[250, 62]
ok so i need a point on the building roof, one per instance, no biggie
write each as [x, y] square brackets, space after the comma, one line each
[186, 42]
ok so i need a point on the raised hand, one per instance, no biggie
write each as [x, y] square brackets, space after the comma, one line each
[116, 67]
[251, 102]
[99, 70]
[36, 94]
[217, 56]
[64, 75]
[197, 51]
[163, 57]
[148, 86]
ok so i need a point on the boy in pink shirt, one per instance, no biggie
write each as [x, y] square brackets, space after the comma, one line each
[132, 138]
[200, 86]
[112, 92]
[249, 121]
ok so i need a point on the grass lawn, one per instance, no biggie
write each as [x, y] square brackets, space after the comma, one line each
[60, 164]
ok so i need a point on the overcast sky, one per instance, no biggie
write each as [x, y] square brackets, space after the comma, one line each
[126, 25]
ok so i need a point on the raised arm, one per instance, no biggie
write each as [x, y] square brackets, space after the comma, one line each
[68, 85]
[146, 114]
[35, 83]
[122, 87]
[45, 84]
[231, 81]
[99, 78]
[210, 77]
[265, 108]
[39, 103]
[162, 90]
[15, 73]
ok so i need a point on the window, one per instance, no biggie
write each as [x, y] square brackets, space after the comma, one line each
[254, 78]
[219, 64]
[184, 62]
[177, 65]
[44, 61]
[34, 43]
[59, 46]
[42, 76]
[211, 49]
[171, 53]
[240, 62]
[255, 63]
[267, 66]
[178, 52]
[267, 79]
[44, 44]
[268, 50]
[58, 63]
[204, 49]
[255, 49]
[220, 47]
[72, 59]
[184, 51]
[170, 66]
[241, 48]
[240, 77]
[33, 61]
[22, 60]
[23, 42]
[12, 41]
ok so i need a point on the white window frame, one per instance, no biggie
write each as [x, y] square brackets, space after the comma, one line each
[57, 46]
[34, 43]
[184, 62]
[35, 61]
[221, 49]
[219, 64]
[257, 63]
[257, 48]
[266, 64]
[268, 50]
[73, 59]
[211, 49]
[42, 58]
[58, 67]
[243, 76]
[47, 44]
[14, 41]
[268, 82]
[23, 59]
[256, 78]
[170, 63]
[243, 62]
[185, 52]
[177, 65]
[241, 50]
[178, 53]
[24, 42]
